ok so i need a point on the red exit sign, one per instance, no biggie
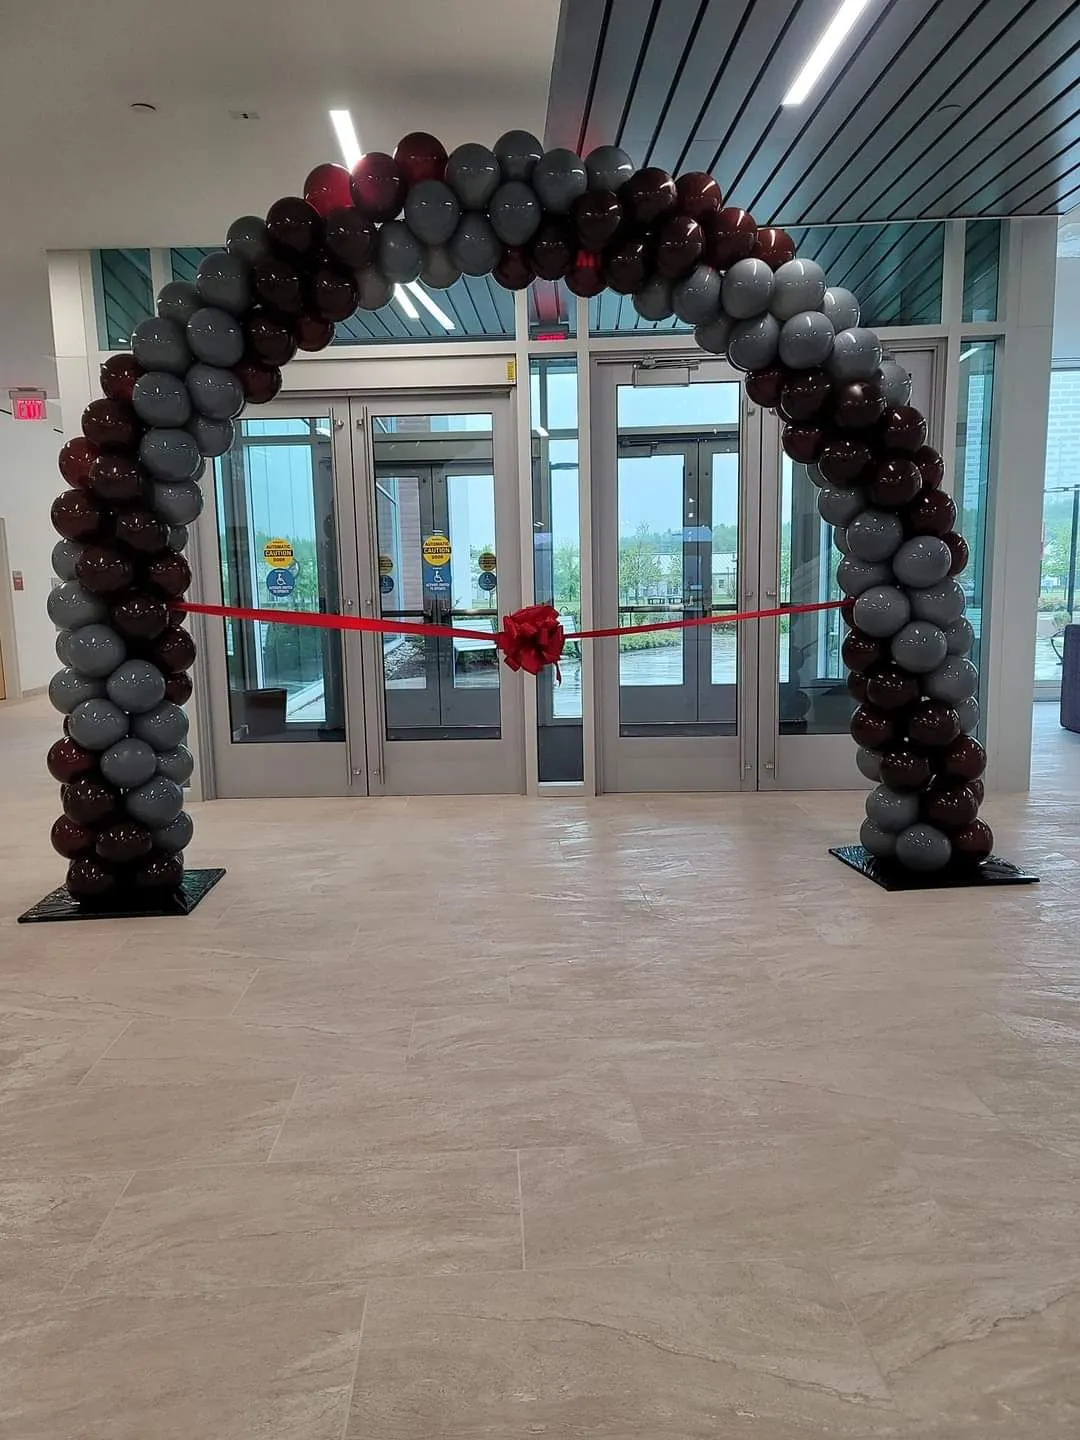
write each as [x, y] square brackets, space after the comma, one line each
[28, 404]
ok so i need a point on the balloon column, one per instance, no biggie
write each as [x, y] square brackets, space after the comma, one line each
[517, 212]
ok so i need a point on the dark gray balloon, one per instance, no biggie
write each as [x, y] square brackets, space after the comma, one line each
[136, 686]
[246, 237]
[161, 399]
[155, 804]
[515, 212]
[754, 343]
[223, 280]
[747, 289]
[806, 340]
[175, 836]
[968, 710]
[176, 764]
[923, 848]
[213, 437]
[919, 647]
[164, 727]
[954, 680]
[814, 475]
[95, 650]
[715, 335]
[170, 454]
[875, 535]
[869, 765]
[880, 843]
[960, 635]
[653, 300]
[472, 172]
[70, 606]
[68, 688]
[215, 392]
[432, 212]
[558, 179]
[517, 153]
[177, 302]
[474, 246]
[696, 300]
[797, 287]
[178, 504]
[841, 307]
[881, 611]
[840, 540]
[854, 576]
[400, 254]
[160, 345]
[892, 810]
[63, 639]
[856, 355]
[214, 336]
[895, 383]
[922, 561]
[178, 537]
[608, 167]
[97, 724]
[943, 604]
[840, 507]
[439, 271]
[374, 290]
[64, 555]
[128, 763]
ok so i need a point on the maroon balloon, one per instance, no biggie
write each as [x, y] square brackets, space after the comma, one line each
[327, 188]
[893, 689]
[178, 688]
[933, 724]
[141, 530]
[847, 611]
[513, 272]
[268, 338]
[679, 246]
[75, 516]
[973, 844]
[118, 478]
[872, 728]
[859, 651]
[261, 382]
[903, 429]
[803, 443]
[174, 650]
[110, 424]
[333, 295]
[585, 277]
[905, 769]
[552, 249]
[350, 237]
[952, 806]
[843, 462]
[293, 228]
[858, 405]
[70, 839]
[958, 548]
[965, 759]
[858, 686]
[419, 156]
[169, 573]
[893, 483]
[932, 512]
[378, 186]
[118, 375]
[931, 466]
[67, 760]
[311, 333]
[775, 247]
[765, 387]
[89, 801]
[76, 459]
[698, 195]
[277, 285]
[597, 218]
[160, 871]
[89, 879]
[729, 236]
[804, 395]
[103, 570]
[978, 789]
[648, 196]
[123, 841]
[626, 265]
[139, 617]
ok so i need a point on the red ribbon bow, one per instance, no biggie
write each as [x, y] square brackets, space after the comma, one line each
[532, 638]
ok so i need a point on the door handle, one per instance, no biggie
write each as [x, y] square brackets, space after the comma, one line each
[770, 594]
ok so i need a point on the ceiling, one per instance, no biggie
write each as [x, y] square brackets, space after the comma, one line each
[932, 108]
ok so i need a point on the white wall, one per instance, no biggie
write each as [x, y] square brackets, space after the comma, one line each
[28, 482]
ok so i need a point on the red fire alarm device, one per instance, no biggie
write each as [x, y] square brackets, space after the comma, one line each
[17, 582]
[27, 404]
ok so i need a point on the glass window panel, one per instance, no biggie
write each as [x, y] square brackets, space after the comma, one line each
[123, 294]
[982, 259]
[1058, 604]
[896, 270]
[973, 474]
[184, 263]
[725, 563]
[473, 308]
[666, 408]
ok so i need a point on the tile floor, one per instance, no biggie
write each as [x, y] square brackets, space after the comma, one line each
[635, 1120]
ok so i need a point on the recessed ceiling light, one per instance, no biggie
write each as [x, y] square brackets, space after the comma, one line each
[345, 131]
[833, 36]
[415, 288]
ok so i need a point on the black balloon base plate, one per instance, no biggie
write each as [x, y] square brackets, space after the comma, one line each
[993, 871]
[59, 905]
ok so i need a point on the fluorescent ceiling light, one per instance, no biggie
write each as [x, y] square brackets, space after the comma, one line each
[404, 304]
[833, 36]
[415, 288]
[345, 131]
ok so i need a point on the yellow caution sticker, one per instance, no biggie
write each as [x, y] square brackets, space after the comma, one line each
[435, 550]
[278, 554]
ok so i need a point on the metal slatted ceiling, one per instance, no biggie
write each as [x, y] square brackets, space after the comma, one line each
[933, 108]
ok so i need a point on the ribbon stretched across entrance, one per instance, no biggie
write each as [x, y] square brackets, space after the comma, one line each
[531, 639]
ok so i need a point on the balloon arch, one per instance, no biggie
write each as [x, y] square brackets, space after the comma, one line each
[520, 213]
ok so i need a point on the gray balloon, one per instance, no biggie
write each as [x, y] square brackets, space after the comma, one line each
[747, 289]
[892, 810]
[223, 280]
[136, 686]
[841, 307]
[475, 247]
[943, 604]
[213, 437]
[215, 392]
[63, 640]
[161, 399]
[960, 635]
[64, 555]
[374, 290]
[923, 848]
[875, 534]
[797, 287]
[653, 300]
[922, 561]
[608, 167]
[246, 237]
[814, 475]
[881, 611]
[806, 340]
[128, 763]
[173, 838]
[919, 647]
[895, 383]
[517, 153]
[439, 271]
[432, 212]
[164, 727]
[840, 540]
[215, 336]
[400, 254]
[178, 537]
[954, 680]
[472, 172]
[856, 355]
[880, 843]
[97, 724]
[515, 212]
[70, 606]
[869, 764]
[161, 345]
[68, 688]
[696, 300]
[155, 804]
[176, 764]
[840, 507]
[715, 335]
[170, 454]
[177, 302]
[178, 504]
[558, 179]
[854, 576]
[969, 713]
[754, 343]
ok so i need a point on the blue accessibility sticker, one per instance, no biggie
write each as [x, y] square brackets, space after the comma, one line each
[280, 584]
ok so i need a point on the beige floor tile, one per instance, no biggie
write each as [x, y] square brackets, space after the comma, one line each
[105, 991]
[342, 995]
[40, 1052]
[46, 1225]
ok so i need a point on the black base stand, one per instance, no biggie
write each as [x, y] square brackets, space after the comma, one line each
[59, 905]
[993, 871]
